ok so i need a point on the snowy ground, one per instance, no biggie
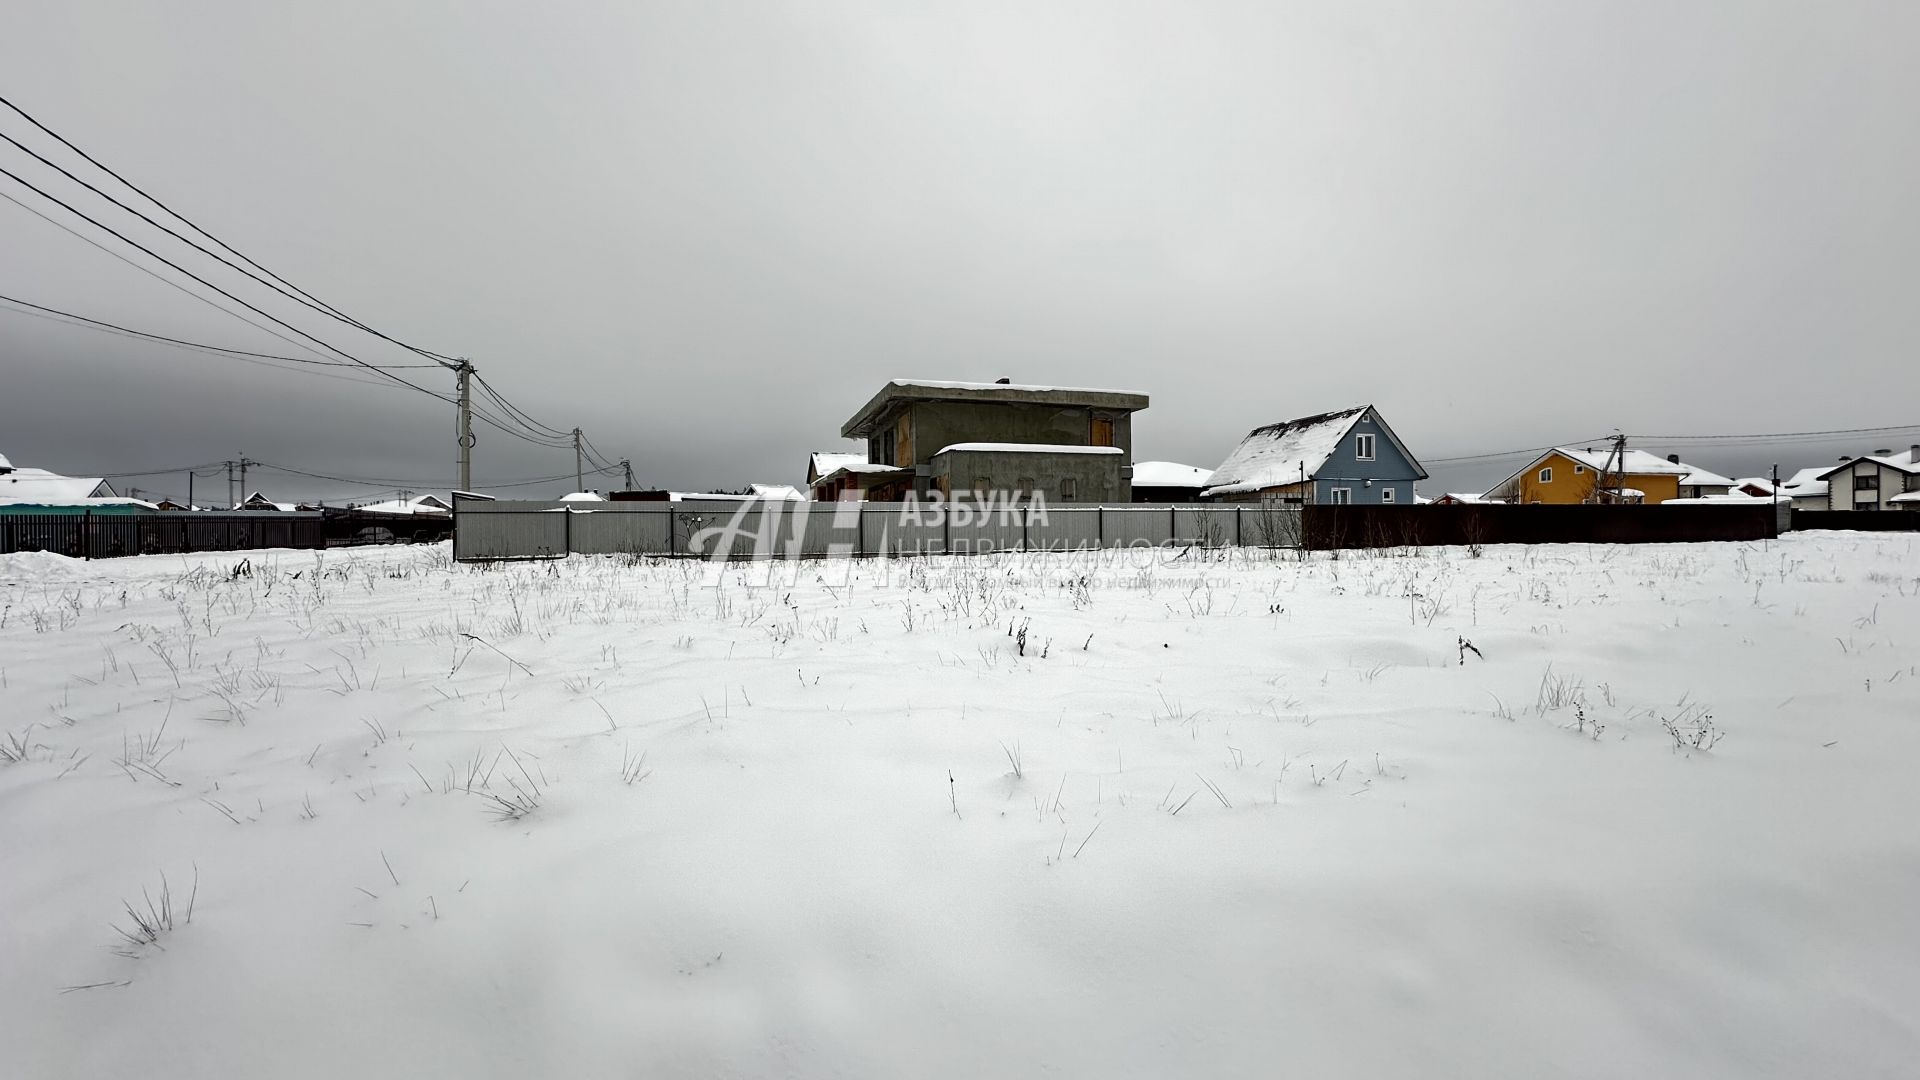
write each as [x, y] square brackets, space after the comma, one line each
[1218, 818]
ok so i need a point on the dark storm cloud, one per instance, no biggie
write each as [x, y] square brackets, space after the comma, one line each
[706, 233]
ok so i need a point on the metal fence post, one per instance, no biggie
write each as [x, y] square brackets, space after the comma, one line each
[1100, 525]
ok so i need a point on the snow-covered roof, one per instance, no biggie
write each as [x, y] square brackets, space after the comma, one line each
[901, 392]
[40, 485]
[257, 501]
[1897, 462]
[93, 503]
[1466, 496]
[420, 504]
[1732, 498]
[1704, 478]
[1759, 483]
[581, 496]
[1632, 493]
[1031, 388]
[1906, 497]
[859, 468]
[1026, 448]
[1806, 483]
[777, 491]
[1169, 474]
[4, 463]
[823, 462]
[1633, 462]
[1281, 454]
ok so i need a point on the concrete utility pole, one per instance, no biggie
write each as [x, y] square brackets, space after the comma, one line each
[243, 475]
[189, 489]
[628, 467]
[578, 481]
[1613, 478]
[230, 500]
[465, 374]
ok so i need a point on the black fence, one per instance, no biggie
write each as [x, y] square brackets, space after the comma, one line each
[372, 527]
[108, 536]
[1858, 520]
[1330, 527]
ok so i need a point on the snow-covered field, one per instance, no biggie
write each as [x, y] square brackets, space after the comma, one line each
[1249, 816]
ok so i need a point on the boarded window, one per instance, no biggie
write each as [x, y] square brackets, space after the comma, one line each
[1102, 433]
[1069, 488]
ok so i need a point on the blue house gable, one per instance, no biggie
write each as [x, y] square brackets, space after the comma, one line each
[1369, 465]
[1350, 456]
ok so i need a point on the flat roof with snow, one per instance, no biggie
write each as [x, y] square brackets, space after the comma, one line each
[1025, 448]
[907, 390]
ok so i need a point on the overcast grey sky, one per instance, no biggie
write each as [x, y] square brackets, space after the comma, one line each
[706, 232]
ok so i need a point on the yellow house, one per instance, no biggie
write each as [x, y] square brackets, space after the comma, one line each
[1564, 476]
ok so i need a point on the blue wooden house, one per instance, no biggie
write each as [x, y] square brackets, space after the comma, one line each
[1335, 458]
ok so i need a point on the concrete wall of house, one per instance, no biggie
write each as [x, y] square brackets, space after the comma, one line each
[913, 432]
[1096, 477]
[939, 424]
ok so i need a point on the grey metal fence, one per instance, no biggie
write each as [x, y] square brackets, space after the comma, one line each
[488, 530]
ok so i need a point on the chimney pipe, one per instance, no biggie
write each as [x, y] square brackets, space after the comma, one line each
[1674, 458]
[1003, 382]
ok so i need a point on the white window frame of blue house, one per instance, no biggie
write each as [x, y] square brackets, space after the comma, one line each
[1386, 495]
[1363, 447]
[1340, 496]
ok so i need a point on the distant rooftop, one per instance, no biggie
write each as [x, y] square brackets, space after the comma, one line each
[901, 390]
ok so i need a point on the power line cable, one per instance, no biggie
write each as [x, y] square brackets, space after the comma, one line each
[56, 200]
[215, 349]
[303, 296]
[486, 417]
[69, 230]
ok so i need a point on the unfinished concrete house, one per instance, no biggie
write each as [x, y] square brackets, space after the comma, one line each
[957, 438]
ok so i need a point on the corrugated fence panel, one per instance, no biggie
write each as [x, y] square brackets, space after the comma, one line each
[616, 532]
[1134, 526]
[509, 534]
[1065, 528]
[744, 530]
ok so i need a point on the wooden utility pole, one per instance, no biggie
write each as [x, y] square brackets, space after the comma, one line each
[578, 480]
[230, 500]
[627, 466]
